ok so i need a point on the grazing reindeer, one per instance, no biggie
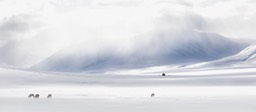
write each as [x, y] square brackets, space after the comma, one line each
[49, 96]
[31, 96]
[152, 95]
[36, 96]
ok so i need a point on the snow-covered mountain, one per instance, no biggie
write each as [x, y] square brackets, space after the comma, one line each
[249, 54]
[246, 57]
[161, 49]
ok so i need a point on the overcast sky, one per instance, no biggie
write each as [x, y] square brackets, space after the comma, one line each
[32, 30]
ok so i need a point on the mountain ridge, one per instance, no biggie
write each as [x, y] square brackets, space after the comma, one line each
[182, 49]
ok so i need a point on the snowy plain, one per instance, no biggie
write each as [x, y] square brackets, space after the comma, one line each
[182, 90]
[194, 88]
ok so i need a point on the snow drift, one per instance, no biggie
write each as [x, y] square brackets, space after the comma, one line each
[160, 49]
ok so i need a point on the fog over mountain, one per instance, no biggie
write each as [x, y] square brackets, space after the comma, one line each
[78, 35]
[190, 47]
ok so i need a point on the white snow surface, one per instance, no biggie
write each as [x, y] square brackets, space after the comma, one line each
[182, 90]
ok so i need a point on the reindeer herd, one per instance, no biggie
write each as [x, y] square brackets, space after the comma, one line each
[50, 95]
[37, 96]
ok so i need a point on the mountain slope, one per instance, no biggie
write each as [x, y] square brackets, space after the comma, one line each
[160, 49]
[246, 57]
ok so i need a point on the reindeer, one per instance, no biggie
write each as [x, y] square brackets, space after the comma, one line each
[152, 95]
[36, 96]
[31, 96]
[49, 96]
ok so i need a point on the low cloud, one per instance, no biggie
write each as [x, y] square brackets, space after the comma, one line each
[14, 27]
[14, 32]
